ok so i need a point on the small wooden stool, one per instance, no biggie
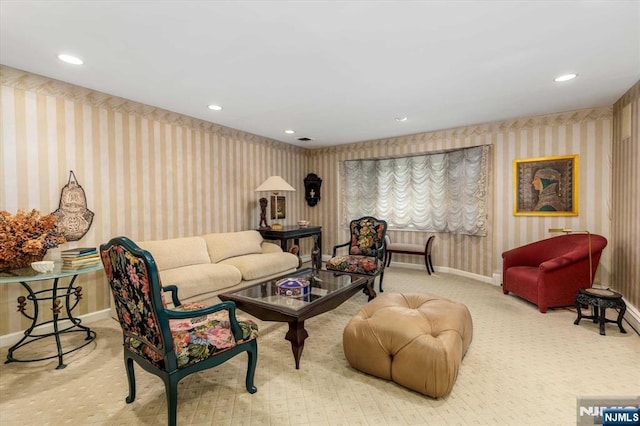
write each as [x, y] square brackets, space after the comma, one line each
[600, 299]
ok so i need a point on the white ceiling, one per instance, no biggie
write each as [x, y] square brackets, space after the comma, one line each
[335, 71]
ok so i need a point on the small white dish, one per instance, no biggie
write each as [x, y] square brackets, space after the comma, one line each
[44, 266]
[303, 223]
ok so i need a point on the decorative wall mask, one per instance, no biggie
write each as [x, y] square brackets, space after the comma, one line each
[312, 185]
[74, 219]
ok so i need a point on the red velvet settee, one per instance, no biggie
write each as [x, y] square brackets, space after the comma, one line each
[550, 272]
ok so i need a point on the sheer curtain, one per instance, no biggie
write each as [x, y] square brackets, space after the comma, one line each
[443, 192]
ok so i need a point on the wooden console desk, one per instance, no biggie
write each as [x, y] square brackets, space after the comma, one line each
[294, 233]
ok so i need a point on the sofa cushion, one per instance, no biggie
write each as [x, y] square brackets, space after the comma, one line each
[230, 244]
[523, 281]
[177, 252]
[194, 280]
[197, 339]
[254, 266]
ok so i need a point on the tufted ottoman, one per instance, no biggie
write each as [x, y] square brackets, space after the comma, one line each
[416, 340]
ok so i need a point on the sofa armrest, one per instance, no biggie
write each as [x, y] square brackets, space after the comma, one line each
[560, 250]
[270, 248]
[521, 256]
[565, 260]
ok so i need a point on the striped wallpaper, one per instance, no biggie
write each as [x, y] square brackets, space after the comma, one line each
[151, 174]
[147, 173]
[586, 133]
[625, 233]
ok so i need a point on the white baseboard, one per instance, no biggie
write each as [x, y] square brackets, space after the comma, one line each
[13, 338]
[497, 280]
[477, 277]
[415, 266]
[632, 317]
[446, 270]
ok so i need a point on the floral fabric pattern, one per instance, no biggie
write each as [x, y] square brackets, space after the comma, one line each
[196, 339]
[367, 235]
[355, 264]
[129, 282]
[365, 254]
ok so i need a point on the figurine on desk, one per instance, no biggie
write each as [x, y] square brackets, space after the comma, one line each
[316, 258]
[263, 214]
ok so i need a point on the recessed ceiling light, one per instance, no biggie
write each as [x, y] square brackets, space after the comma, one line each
[565, 77]
[215, 107]
[401, 118]
[289, 132]
[74, 60]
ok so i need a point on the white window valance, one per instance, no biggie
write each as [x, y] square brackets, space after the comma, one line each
[444, 192]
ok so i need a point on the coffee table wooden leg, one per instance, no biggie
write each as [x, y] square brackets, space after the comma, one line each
[297, 335]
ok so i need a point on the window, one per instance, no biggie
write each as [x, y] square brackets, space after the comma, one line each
[444, 192]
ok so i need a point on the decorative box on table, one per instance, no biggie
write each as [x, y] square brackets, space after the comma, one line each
[293, 287]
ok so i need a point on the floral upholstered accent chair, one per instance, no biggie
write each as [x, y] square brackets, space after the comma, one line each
[366, 249]
[170, 343]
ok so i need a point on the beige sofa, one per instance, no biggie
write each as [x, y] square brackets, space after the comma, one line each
[203, 266]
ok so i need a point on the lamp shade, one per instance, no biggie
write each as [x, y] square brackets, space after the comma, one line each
[275, 184]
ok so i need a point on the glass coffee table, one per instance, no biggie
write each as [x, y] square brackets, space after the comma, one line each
[327, 291]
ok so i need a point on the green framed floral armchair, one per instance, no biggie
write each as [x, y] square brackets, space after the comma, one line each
[366, 253]
[170, 343]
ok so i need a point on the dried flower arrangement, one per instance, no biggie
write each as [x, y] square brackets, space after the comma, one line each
[25, 237]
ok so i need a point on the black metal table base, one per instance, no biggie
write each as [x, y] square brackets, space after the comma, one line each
[62, 301]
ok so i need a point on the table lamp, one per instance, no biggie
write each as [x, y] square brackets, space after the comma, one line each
[571, 231]
[275, 185]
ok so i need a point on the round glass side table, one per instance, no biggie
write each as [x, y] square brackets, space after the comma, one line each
[62, 300]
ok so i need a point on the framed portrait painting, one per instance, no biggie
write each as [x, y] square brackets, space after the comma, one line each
[546, 186]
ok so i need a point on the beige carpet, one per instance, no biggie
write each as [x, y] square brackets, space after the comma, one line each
[523, 367]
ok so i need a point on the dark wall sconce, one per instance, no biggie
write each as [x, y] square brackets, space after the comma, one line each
[312, 185]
